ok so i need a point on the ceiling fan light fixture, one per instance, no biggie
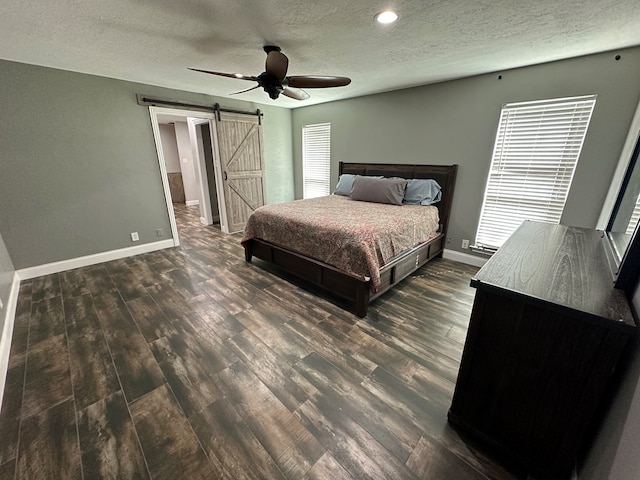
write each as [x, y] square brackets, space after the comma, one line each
[274, 79]
[386, 17]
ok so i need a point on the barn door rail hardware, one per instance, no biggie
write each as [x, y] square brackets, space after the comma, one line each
[148, 101]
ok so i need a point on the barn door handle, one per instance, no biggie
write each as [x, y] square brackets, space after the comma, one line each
[225, 176]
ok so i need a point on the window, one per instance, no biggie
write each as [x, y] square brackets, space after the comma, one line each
[635, 216]
[626, 210]
[316, 154]
[535, 155]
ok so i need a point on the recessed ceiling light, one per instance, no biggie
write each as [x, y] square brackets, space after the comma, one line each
[386, 17]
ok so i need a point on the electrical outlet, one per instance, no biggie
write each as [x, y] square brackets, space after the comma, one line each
[134, 236]
[159, 232]
[465, 243]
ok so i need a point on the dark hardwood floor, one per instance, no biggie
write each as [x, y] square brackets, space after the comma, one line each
[190, 363]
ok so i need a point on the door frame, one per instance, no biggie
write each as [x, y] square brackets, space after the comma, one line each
[192, 118]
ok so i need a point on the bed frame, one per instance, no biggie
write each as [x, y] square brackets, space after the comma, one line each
[353, 289]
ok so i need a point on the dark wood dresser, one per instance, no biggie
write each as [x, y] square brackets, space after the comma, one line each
[546, 331]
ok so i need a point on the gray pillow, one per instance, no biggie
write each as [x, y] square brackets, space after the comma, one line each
[379, 190]
[345, 184]
[422, 192]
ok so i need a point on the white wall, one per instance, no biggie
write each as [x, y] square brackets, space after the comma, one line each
[187, 163]
[8, 297]
[206, 153]
[170, 148]
[6, 280]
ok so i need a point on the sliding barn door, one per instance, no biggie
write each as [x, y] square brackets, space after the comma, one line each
[242, 164]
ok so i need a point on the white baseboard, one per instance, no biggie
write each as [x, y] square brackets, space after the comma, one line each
[464, 258]
[7, 332]
[191, 203]
[63, 265]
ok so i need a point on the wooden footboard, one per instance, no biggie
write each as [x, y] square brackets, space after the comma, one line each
[355, 290]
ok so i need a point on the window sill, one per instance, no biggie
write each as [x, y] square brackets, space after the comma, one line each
[483, 250]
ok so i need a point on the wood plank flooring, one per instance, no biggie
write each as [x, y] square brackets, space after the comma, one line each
[190, 363]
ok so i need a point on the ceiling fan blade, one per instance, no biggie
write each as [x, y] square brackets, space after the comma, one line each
[246, 90]
[316, 81]
[295, 93]
[276, 64]
[230, 75]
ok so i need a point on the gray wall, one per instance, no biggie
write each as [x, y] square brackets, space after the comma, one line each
[455, 122]
[614, 453]
[6, 280]
[278, 154]
[79, 166]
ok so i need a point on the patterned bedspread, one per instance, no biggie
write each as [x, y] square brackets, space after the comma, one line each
[355, 237]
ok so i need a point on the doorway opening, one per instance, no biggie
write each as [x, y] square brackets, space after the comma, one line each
[185, 147]
[227, 160]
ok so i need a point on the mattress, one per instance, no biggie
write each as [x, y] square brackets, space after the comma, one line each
[355, 237]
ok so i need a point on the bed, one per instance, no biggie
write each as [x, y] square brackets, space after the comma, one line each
[389, 264]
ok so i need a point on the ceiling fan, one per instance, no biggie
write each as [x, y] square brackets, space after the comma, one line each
[274, 79]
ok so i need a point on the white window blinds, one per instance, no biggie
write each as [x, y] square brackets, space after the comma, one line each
[535, 155]
[316, 155]
[635, 217]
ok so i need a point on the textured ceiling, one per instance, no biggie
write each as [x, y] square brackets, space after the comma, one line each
[154, 41]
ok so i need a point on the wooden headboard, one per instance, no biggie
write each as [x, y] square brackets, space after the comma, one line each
[445, 175]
